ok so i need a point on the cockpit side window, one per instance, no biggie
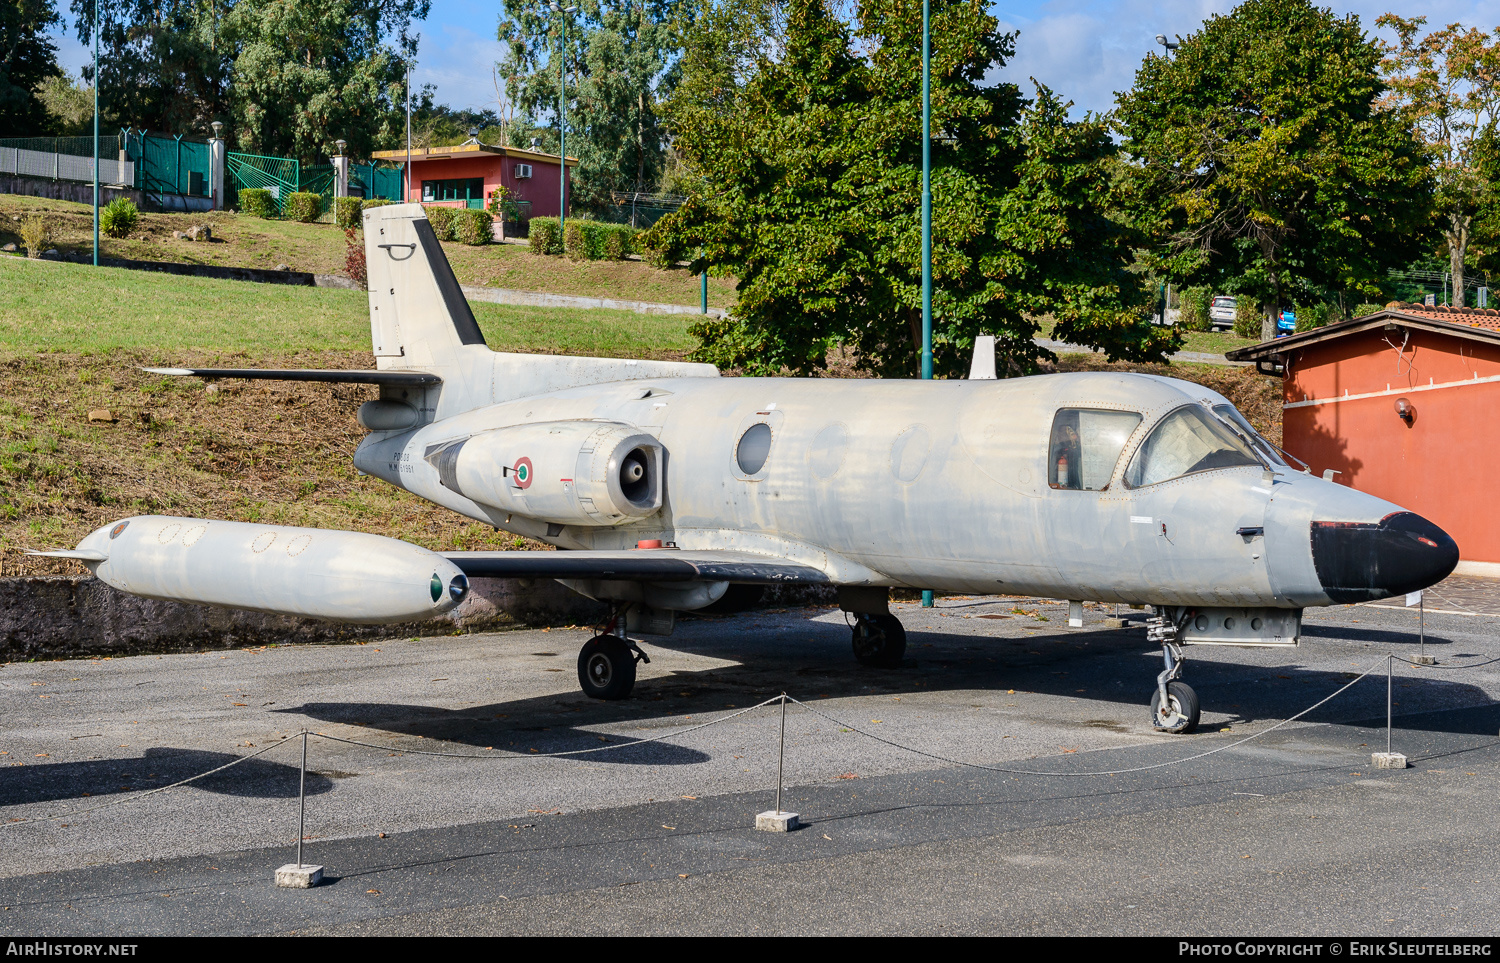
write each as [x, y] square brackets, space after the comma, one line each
[1085, 445]
[1187, 441]
[1242, 426]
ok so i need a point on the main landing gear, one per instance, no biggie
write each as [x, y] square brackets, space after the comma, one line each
[606, 663]
[879, 639]
[1174, 704]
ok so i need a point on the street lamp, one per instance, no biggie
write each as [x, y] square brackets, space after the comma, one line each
[1167, 45]
[562, 117]
[96, 133]
[926, 208]
[406, 198]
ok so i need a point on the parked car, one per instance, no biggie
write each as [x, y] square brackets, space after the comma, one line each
[1286, 324]
[1221, 312]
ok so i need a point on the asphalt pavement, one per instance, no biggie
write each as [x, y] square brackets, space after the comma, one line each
[1289, 833]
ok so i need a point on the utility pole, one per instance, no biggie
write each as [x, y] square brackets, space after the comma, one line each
[562, 120]
[407, 197]
[96, 133]
[926, 208]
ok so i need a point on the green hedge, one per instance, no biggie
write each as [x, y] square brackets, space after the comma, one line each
[473, 227]
[597, 240]
[543, 236]
[118, 217]
[346, 211]
[258, 201]
[1247, 317]
[370, 202]
[304, 206]
[1192, 310]
[441, 219]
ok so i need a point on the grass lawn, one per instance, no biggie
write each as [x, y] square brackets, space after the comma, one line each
[53, 306]
[246, 241]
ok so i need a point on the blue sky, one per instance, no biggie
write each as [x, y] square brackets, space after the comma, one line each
[1085, 50]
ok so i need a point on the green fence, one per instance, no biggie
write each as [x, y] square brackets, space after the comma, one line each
[371, 180]
[168, 165]
[279, 175]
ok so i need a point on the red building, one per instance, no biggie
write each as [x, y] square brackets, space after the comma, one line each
[464, 176]
[1399, 403]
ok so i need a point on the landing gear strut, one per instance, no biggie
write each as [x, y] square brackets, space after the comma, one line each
[1174, 704]
[606, 663]
[879, 640]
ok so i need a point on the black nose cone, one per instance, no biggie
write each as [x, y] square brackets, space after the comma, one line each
[1361, 561]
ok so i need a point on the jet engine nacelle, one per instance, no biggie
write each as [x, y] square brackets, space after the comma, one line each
[321, 573]
[568, 472]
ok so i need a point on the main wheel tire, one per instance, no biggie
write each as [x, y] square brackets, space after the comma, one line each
[606, 668]
[879, 641]
[1181, 712]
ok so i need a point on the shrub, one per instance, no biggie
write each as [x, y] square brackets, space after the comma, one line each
[1192, 312]
[1247, 318]
[619, 241]
[346, 211]
[118, 217]
[354, 257]
[473, 227]
[1365, 309]
[588, 240]
[36, 235]
[1314, 316]
[544, 237]
[303, 206]
[441, 219]
[370, 202]
[258, 201]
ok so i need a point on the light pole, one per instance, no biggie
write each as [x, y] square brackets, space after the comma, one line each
[406, 198]
[562, 118]
[1167, 45]
[96, 133]
[926, 208]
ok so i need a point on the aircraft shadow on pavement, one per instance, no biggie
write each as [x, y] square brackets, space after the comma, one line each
[505, 728]
[259, 778]
[1362, 634]
[1116, 669]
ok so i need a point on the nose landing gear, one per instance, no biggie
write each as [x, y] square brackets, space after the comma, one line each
[1174, 704]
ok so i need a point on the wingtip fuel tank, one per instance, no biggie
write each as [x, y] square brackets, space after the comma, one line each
[313, 572]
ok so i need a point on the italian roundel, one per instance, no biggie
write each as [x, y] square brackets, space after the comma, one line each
[522, 472]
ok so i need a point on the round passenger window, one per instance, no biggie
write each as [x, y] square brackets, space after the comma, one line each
[753, 449]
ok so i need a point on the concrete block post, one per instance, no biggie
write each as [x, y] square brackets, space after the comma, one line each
[218, 153]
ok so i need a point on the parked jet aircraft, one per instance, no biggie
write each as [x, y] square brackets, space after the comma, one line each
[664, 484]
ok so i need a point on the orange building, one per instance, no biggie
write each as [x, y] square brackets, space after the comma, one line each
[464, 176]
[1396, 402]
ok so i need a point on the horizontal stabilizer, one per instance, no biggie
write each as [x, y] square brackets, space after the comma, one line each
[646, 565]
[80, 555]
[308, 374]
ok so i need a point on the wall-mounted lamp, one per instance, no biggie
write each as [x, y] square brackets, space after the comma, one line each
[1406, 411]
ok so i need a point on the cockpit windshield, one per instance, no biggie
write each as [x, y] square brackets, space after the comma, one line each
[1187, 441]
[1244, 429]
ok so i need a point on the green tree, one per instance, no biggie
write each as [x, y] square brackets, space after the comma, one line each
[803, 141]
[1447, 83]
[620, 64]
[1265, 163]
[27, 59]
[69, 105]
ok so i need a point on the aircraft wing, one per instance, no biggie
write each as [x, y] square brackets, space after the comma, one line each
[648, 565]
[307, 374]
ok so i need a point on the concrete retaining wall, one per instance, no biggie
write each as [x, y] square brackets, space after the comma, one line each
[76, 191]
[66, 617]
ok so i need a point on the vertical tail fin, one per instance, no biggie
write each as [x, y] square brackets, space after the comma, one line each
[419, 317]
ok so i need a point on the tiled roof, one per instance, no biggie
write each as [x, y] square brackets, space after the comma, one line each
[1476, 317]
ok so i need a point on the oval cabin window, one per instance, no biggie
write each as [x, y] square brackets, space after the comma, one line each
[754, 448]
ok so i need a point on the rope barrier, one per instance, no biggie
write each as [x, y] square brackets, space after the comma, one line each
[1106, 772]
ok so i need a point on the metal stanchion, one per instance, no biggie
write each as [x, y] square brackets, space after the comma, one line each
[298, 875]
[1388, 759]
[778, 821]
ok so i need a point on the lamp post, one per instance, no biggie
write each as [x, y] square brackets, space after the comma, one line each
[926, 208]
[96, 133]
[1167, 45]
[406, 198]
[562, 118]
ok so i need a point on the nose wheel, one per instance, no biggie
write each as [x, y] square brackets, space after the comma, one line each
[1174, 704]
[879, 640]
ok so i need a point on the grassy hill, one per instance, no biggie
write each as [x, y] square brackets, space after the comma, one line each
[246, 241]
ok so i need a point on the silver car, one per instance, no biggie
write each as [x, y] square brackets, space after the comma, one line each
[1221, 312]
